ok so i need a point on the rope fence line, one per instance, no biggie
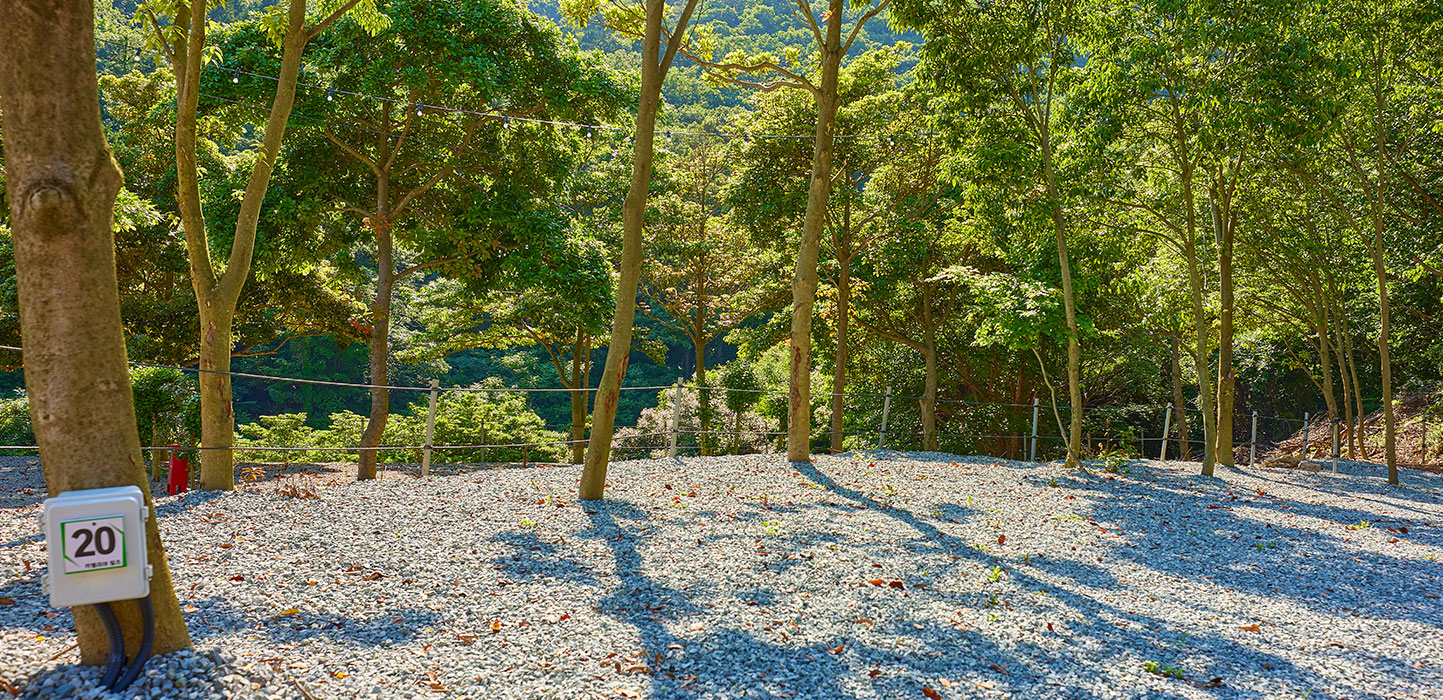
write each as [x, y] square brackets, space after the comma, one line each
[1021, 440]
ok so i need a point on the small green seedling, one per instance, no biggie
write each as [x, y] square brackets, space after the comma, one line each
[995, 574]
[1164, 670]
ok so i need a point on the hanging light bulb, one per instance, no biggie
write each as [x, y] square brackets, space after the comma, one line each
[506, 122]
[235, 77]
[330, 94]
[418, 109]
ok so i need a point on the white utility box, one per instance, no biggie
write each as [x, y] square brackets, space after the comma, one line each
[96, 546]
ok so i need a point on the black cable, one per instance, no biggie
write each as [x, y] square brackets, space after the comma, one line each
[115, 660]
[143, 654]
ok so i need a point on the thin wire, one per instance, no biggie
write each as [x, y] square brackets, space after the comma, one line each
[390, 387]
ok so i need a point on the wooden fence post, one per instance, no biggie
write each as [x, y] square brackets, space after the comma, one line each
[1032, 453]
[430, 428]
[675, 417]
[1253, 443]
[886, 408]
[1166, 428]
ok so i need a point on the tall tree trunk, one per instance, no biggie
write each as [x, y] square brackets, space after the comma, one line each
[1380, 270]
[61, 183]
[1069, 302]
[217, 415]
[1200, 323]
[1179, 402]
[1325, 363]
[839, 360]
[1349, 435]
[1223, 222]
[578, 400]
[380, 340]
[1359, 414]
[217, 294]
[928, 404]
[804, 280]
[603, 418]
[1186, 172]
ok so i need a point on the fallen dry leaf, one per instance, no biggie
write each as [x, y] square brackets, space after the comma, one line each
[1250, 628]
[931, 694]
[496, 625]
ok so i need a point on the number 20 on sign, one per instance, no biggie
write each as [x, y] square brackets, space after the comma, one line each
[94, 544]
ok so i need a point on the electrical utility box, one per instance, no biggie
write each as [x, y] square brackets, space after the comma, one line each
[95, 540]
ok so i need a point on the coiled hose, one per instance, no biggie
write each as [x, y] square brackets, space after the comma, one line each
[115, 660]
[143, 653]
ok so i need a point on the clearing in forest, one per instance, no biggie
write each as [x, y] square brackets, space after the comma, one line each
[876, 575]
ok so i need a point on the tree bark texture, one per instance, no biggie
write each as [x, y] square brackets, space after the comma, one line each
[1069, 301]
[618, 353]
[1179, 402]
[217, 293]
[1380, 270]
[61, 182]
[380, 340]
[804, 280]
[839, 360]
[1223, 222]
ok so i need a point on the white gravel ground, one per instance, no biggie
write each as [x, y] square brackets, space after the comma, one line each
[878, 575]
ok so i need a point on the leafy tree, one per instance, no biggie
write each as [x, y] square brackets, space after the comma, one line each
[643, 21]
[61, 186]
[428, 161]
[180, 34]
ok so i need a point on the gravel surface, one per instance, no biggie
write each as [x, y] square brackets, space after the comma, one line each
[876, 575]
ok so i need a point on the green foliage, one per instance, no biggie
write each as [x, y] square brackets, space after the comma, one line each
[15, 421]
[481, 416]
[165, 400]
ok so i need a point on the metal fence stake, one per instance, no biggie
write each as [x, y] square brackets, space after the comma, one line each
[1253, 452]
[430, 427]
[886, 408]
[1032, 454]
[1166, 428]
[1336, 454]
[675, 418]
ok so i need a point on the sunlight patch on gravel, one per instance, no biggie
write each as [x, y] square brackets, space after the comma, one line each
[871, 575]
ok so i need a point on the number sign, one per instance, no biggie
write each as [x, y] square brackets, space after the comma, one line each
[94, 544]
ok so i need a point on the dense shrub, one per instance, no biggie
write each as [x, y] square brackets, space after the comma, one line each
[462, 418]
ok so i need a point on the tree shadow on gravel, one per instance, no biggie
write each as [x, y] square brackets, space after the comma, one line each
[535, 559]
[1263, 554]
[1103, 628]
[726, 662]
[217, 616]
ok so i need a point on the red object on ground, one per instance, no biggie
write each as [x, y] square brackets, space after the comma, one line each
[179, 481]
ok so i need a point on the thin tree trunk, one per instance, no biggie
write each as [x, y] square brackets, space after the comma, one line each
[1223, 222]
[804, 281]
[1069, 302]
[578, 400]
[1380, 270]
[1326, 364]
[928, 404]
[1195, 287]
[380, 344]
[217, 294]
[839, 364]
[1179, 402]
[603, 419]
[1360, 414]
[217, 415]
[61, 184]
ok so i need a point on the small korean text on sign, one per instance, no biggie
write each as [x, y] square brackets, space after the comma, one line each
[94, 544]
